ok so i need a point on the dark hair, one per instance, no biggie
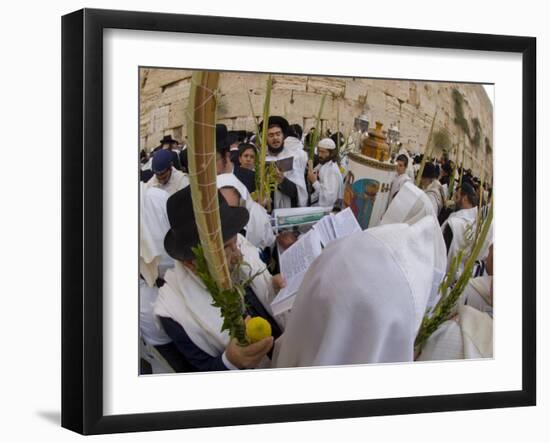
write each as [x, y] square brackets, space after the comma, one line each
[232, 137]
[222, 149]
[467, 190]
[245, 147]
[337, 135]
[430, 171]
[447, 167]
[295, 130]
[403, 158]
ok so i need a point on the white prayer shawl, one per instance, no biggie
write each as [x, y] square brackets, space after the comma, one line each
[469, 335]
[178, 180]
[294, 144]
[185, 299]
[409, 205]
[295, 175]
[477, 294]
[147, 164]
[458, 223]
[329, 187]
[397, 183]
[259, 230]
[436, 194]
[154, 225]
[363, 298]
[410, 168]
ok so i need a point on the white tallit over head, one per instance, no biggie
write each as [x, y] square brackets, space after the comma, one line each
[363, 298]
[154, 225]
[258, 230]
[231, 180]
[409, 205]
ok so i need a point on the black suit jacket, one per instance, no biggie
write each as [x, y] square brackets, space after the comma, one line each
[247, 177]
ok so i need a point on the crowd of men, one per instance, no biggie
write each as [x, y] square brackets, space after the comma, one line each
[364, 297]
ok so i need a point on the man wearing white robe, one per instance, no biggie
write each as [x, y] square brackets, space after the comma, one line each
[326, 178]
[468, 335]
[409, 205]
[184, 305]
[461, 225]
[401, 165]
[259, 231]
[432, 187]
[291, 190]
[166, 177]
[363, 299]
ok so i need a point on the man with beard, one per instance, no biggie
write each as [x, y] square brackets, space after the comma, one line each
[291, 187]
[166, 177]
[325, 178]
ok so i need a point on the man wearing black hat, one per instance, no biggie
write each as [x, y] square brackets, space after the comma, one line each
[431, 186]
[166, 176]
[168, 143]
[224, 164]
[185, 306]
[291, 190]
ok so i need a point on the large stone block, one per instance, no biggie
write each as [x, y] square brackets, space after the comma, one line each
[290, 82]
[177, 114]
[158, 78]
[326, 85]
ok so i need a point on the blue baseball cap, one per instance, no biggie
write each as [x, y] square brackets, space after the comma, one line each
[162, 160]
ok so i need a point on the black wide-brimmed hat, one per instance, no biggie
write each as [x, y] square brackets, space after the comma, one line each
[183, 234]
[221, 137]
[276, 120]
[168, 139]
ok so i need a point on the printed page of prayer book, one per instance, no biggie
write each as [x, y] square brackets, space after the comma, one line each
[294, 263]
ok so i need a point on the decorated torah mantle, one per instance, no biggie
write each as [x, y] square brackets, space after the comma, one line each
[369, 177]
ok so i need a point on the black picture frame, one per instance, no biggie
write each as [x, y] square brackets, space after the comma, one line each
[82, 218]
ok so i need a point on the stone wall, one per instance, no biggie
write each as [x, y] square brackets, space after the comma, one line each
[409, 104]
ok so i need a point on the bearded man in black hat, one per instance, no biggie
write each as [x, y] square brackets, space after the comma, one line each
[184, 305]
[291, 189]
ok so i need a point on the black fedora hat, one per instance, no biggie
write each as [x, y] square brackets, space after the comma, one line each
[221, 137]
[167, 139]
[183, 234]
[278, 121]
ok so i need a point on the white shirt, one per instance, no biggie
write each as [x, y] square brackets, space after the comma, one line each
[397, 182]
[329, 185]
[296, 175]
[178, 180]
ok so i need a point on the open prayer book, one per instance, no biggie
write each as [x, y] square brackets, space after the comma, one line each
[295, 261]
[284, 164]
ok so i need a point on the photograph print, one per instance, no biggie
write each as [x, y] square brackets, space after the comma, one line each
[301, 220]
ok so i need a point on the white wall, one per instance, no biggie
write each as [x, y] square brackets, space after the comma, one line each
[30, 230]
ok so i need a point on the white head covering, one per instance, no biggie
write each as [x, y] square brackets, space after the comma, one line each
[364, 297]
[258, 230]
[230, 180]
[326, 143]
[154, 225]
[409, 205]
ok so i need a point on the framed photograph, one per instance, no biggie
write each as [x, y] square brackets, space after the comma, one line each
[446, 120]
